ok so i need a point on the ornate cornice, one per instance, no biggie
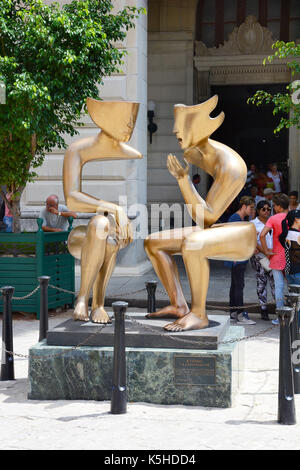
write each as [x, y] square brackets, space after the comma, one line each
[249, 38]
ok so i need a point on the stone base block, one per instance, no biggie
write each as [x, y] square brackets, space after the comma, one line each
[193, 377]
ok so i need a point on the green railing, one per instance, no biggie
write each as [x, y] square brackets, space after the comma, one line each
[26, 256]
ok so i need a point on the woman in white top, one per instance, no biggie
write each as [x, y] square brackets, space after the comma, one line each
[276, 177]
[259, 261]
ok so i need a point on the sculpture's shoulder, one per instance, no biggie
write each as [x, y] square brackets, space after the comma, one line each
[129, 151]
[229, 158]
[80, 145]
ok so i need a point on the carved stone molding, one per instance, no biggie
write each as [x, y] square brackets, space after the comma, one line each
[249, 38]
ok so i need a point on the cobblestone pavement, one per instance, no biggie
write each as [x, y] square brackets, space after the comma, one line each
[250, 424]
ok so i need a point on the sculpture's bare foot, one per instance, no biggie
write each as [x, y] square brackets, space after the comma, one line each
[188, 322]
[81, 312]
[171, 311]
[99, 315]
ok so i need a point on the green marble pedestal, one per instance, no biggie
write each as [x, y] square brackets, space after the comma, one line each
[154, 375]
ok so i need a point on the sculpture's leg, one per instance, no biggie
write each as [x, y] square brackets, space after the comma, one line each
[99, 314]
[92, 258]
[160, 248]
[232, 241]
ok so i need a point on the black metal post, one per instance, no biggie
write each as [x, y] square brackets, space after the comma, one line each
[119, 391]
[44, 281]
[151, 288]
[292, 301]
[295, 289]
[286, 402]
[7, 360]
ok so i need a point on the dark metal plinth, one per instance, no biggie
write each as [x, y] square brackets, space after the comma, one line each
[150, 334]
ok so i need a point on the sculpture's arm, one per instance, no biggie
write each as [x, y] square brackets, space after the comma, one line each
[79, 201]
[228, 171]
[195, 203]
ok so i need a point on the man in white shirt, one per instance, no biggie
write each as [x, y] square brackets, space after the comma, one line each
[259, 261]
[55, 215]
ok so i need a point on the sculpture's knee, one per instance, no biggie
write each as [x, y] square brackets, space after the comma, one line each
[98, 227]
[150, 246]
[196, 242]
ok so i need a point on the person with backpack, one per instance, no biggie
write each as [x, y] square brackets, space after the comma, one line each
[276, 255]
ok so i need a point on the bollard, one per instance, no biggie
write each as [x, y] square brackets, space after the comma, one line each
[292, 301]
[119, 392]
[7, 360]
[286, 403]
[151, 288]
[295, 288]
[44, 281]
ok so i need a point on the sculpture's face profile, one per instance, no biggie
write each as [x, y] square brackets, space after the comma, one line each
[193, 123]
[115, 118]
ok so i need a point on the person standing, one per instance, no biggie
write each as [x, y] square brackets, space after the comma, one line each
[276, 177]
[260, 262]
[291, 236]
[254, 194]
[8, 216]
[268, 196]
[238, 268]
[294, 203]
[251, 174]
[277, 254]
[55, 215]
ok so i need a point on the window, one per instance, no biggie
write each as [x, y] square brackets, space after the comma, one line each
[216, 19]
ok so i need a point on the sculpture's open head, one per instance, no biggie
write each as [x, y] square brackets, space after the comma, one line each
[115, 118]
[193, 123]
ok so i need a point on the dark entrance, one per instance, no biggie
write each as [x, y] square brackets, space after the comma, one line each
[249, 129]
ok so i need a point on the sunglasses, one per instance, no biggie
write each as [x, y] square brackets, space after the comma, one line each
[266, 209]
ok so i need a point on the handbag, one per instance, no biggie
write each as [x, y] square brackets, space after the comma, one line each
[287, 258]
[265, 263]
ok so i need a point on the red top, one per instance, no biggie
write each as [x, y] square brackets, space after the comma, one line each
[277, 261]
[7, 210]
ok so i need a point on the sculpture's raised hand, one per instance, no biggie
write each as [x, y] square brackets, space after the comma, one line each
[175, 167]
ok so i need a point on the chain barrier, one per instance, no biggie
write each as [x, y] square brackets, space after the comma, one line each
[73, 348]
[190, 341]
[217, 307]
[154, 331]
[27, 295]
[132, 320]
[107, 295]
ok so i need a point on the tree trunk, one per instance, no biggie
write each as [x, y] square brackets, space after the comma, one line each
[16, 212]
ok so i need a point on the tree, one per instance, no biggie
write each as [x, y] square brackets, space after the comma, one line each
[52, 58]
[286, 105]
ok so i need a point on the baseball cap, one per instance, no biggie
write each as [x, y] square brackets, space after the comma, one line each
[268, 191]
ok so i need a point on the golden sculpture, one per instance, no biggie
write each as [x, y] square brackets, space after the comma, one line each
[97, 243]
[234, 241]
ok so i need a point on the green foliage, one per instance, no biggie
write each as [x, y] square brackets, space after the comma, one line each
[52, 58]
[286, 105]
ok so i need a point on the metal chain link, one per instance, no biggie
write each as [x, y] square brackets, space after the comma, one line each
[27, 295]
[132, 320]
[107, 295]
[181, 340]
[218, 307]
[62, 353]
[99, 329]
[61, 289]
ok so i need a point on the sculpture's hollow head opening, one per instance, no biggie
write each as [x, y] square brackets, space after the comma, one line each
[193, 123]
[115, 118]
